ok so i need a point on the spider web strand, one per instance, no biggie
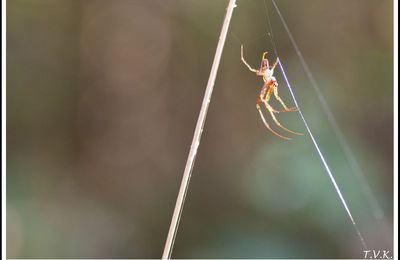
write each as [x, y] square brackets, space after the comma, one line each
[326, 166]
[314, 142]
[355, 166]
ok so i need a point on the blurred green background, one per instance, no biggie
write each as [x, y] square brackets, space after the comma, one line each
[102, 101]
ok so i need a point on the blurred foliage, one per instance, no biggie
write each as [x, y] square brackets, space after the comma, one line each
[102, 100]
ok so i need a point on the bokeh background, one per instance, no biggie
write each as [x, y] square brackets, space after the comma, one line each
[102, 101]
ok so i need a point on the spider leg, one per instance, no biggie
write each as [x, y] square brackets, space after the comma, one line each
[263, 57]
[276, 62]
[269, 108]
[266, 124]
[244, 61]
[267, 96]
[292, 109]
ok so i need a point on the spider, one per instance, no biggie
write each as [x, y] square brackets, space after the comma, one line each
[270, 86]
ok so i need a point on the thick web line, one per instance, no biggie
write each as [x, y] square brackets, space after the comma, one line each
[355, 166]
[316, 146]
[176, 216]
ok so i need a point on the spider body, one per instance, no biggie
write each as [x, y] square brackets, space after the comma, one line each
[270, 87]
